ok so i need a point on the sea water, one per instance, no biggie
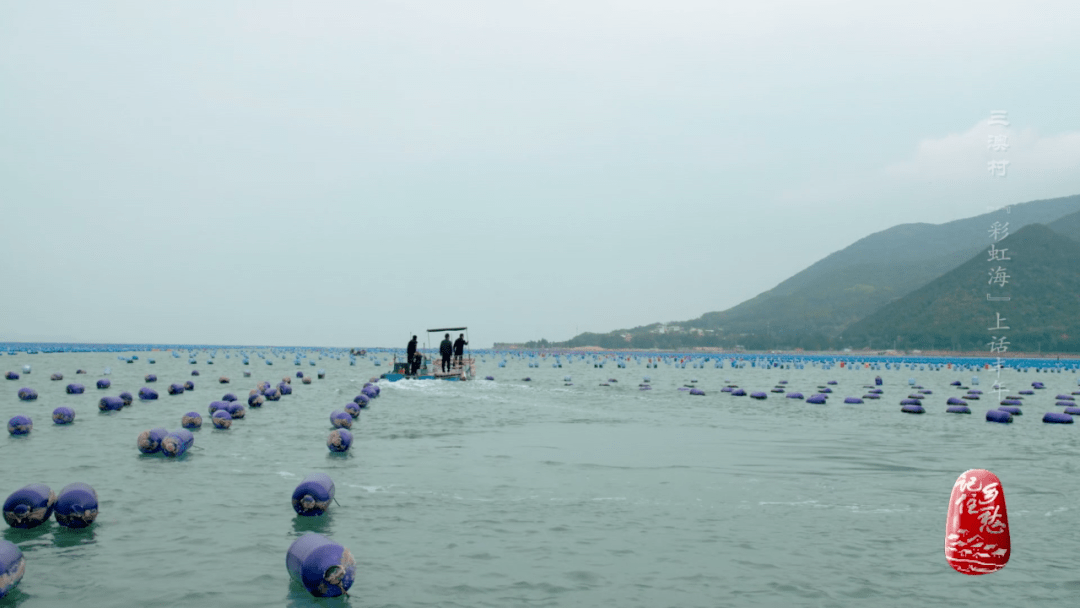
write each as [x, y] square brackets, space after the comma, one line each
[512, 493]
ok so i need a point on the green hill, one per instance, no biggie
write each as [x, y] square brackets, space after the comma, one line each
[813, 308]
[952, 312]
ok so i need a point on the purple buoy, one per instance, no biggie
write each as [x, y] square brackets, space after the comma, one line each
[149, 442]
[362, 400]
[339, 440]
[11, 376]
[852, 400]
[76, 506]
[314, 494]
[958, 409]
[340, 419]
[63, 415]
[697, 391]
[218, 405]
[110, 404]
[998, 416]
[147, 394]
[757, 395]
[256, 400]
[228, 397]
[189, 386]
[1074, 411]
[126, 398]
[1057, 418]
[818, 399]
[913, 409]
[150, 378]
[177, 442]
[176, 389]
[235, 409]
[29, 506]
[12, 566]
[191, 420]
[352, 409]
[1012, 409]
[323, 567]
[221, 419]
[20, 425]
[104, 383]
[794, 395]
[75, 389]
[954, 401]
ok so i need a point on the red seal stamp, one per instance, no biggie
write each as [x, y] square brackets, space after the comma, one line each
[977, 530]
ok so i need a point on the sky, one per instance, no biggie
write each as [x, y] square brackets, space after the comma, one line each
[352, 173]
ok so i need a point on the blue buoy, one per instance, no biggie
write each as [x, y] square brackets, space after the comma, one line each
[352, 409]
[176, 389]
[177, 442]
[104, 383]
[147, 394]
[312, 497]
[75, 389]
[11, 376]
[256, 400]
[76, 506]
[1012, 409]
[913, 409]
[339, 440]
[235, 409]
[341, 420]
[221, 419]
[228, 397]
[149, 442]
[191, 420]
[998, 416]
[852, 400]
[20, 425]
[30, 506]
[189, 385]
[12, 566]
[323, 567]
[362, 400]
[218, 405]
[1057, 418]
[110, 404]
[126, 398]
[63, 415]
[150, 378]
[958, 409]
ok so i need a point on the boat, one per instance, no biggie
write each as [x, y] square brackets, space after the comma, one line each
[430, 369]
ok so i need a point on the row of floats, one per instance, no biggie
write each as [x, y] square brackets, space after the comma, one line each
[222, 414]
[324, 567]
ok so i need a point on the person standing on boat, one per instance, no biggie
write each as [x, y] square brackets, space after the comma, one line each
[459, 349]
[410, 356]
[446, 349]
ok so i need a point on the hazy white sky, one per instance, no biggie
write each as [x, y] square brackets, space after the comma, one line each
[351, 173]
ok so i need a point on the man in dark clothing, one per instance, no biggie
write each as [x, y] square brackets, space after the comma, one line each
[446, 349]
[459, 348]
[417, 360]
[410, 356]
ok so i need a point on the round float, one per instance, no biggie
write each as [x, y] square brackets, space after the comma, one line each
[30, 506]
[63, 415]
[12, 566]
[177, 442]
[76, 506]
[191, 420]
[339, 440]
[323, 567]
[20, 425]
[221, 419]
[149, 442]
[312, 497]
